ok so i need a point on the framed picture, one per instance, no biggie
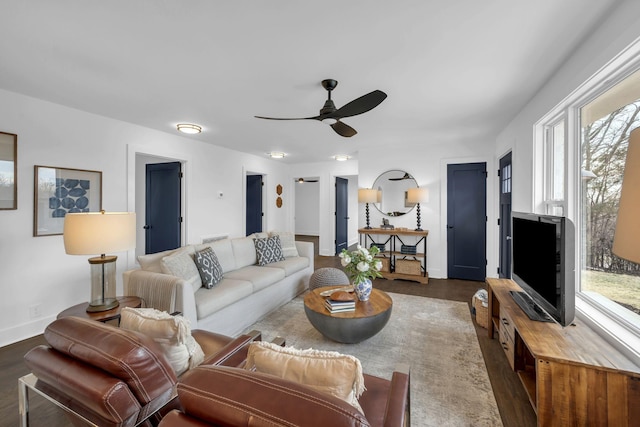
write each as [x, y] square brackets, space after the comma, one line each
[59, 191]
[8, 171]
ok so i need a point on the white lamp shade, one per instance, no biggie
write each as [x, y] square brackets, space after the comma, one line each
[626, 241]
[367, 195]
[418, 195]
[99, 233]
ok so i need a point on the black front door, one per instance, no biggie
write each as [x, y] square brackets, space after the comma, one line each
[254, 204]
[163, 221]
[466, 221]
[342, 214]
[506, 183]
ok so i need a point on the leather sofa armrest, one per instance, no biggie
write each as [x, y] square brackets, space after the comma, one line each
[399, 404]
[163, 292]
[222, 350]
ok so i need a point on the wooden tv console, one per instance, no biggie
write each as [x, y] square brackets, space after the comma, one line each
[572, 376]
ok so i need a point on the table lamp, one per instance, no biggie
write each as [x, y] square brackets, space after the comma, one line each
[367, 195]
[626, 241]
[98, 233]
[417, 196]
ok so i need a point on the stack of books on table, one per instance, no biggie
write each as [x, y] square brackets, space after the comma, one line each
[339, 306]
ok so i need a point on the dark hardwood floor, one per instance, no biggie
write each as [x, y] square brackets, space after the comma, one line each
[513, 403]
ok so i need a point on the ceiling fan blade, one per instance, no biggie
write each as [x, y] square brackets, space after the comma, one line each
[359, 105]
[343, 129]
[286, 118]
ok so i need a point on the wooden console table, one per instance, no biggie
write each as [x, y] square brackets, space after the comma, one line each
[392, 254]
[572, 376]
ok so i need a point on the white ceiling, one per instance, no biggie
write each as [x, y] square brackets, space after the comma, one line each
[454, 70]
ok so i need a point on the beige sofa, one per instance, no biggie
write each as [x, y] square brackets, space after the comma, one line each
[246, 293]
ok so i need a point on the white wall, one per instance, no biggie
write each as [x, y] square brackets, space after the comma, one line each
[36, 272]
[428, 165]
[307, 210]
[616, 32]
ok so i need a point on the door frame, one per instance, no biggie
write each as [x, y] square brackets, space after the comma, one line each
[135, 182]
[438, 267]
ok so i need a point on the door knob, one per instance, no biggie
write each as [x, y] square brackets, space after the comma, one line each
[146, 227]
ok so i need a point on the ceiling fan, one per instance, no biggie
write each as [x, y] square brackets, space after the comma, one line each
[302, 180]
[329, 113]
[402, 178]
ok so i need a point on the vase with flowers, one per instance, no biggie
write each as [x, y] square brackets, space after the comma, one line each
[361, 266]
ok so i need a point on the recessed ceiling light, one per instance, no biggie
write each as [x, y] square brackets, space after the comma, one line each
[341, 157]
[189, 128]
[276, 155]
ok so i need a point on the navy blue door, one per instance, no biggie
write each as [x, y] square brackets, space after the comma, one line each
[254, 204]
[342, 213]
[466, 221]
[163, 221]
[506, 184]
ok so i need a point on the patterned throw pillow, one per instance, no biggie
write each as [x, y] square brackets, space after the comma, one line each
[208, 267]
[268, 250]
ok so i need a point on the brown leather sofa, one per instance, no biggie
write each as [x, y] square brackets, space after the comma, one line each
[224, 396]
[115, 377]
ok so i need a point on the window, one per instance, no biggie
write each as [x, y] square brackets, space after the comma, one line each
[605, 124]
[580, 150]
[555, 168]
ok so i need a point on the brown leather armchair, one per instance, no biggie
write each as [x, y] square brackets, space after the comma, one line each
[223, 396]
[111, 376]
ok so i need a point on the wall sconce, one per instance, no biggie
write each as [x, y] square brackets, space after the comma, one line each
[367, 195]
[626, 240]
[417, 196]
[98, 233]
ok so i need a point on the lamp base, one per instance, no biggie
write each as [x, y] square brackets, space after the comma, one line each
[102, 305]
[418, 229]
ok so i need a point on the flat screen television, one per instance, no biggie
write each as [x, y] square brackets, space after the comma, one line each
[543, 265]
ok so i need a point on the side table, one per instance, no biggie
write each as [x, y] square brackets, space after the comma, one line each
[80, 310]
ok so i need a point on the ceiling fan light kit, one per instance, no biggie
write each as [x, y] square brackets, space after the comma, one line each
[331, 115]
[189, 128]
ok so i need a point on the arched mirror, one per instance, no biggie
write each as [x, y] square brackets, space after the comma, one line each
[393, 186]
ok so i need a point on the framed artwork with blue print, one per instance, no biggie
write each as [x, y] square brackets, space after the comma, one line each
[59, 191]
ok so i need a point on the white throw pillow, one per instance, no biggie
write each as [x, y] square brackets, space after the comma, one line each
[329, 372]
[288, 243]
[182, 265]
[173, 333]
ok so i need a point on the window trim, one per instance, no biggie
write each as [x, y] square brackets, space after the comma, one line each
[607, 319]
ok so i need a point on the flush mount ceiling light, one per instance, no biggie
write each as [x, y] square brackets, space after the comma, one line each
[189, 128]
[276, 155]
[341, 157]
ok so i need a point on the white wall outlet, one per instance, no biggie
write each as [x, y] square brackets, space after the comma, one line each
[35, 311]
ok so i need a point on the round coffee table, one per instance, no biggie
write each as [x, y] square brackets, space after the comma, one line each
[350, 327]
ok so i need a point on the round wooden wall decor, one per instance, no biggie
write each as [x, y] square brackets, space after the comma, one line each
[279, 202]
[279, 190]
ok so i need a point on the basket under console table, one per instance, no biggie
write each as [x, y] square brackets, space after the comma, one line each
[398, 264]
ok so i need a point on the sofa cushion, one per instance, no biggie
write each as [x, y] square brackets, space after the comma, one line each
[244, 251]
[268, 250]
[224, 253]
[330, 372]
[153, 262]
[228, 291]
[208, 267]
[182, 265]
[291, 265]
[172, 333]
[288, 243]
[260, 277]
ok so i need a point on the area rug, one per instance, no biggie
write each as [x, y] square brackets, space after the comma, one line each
[436, 338]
